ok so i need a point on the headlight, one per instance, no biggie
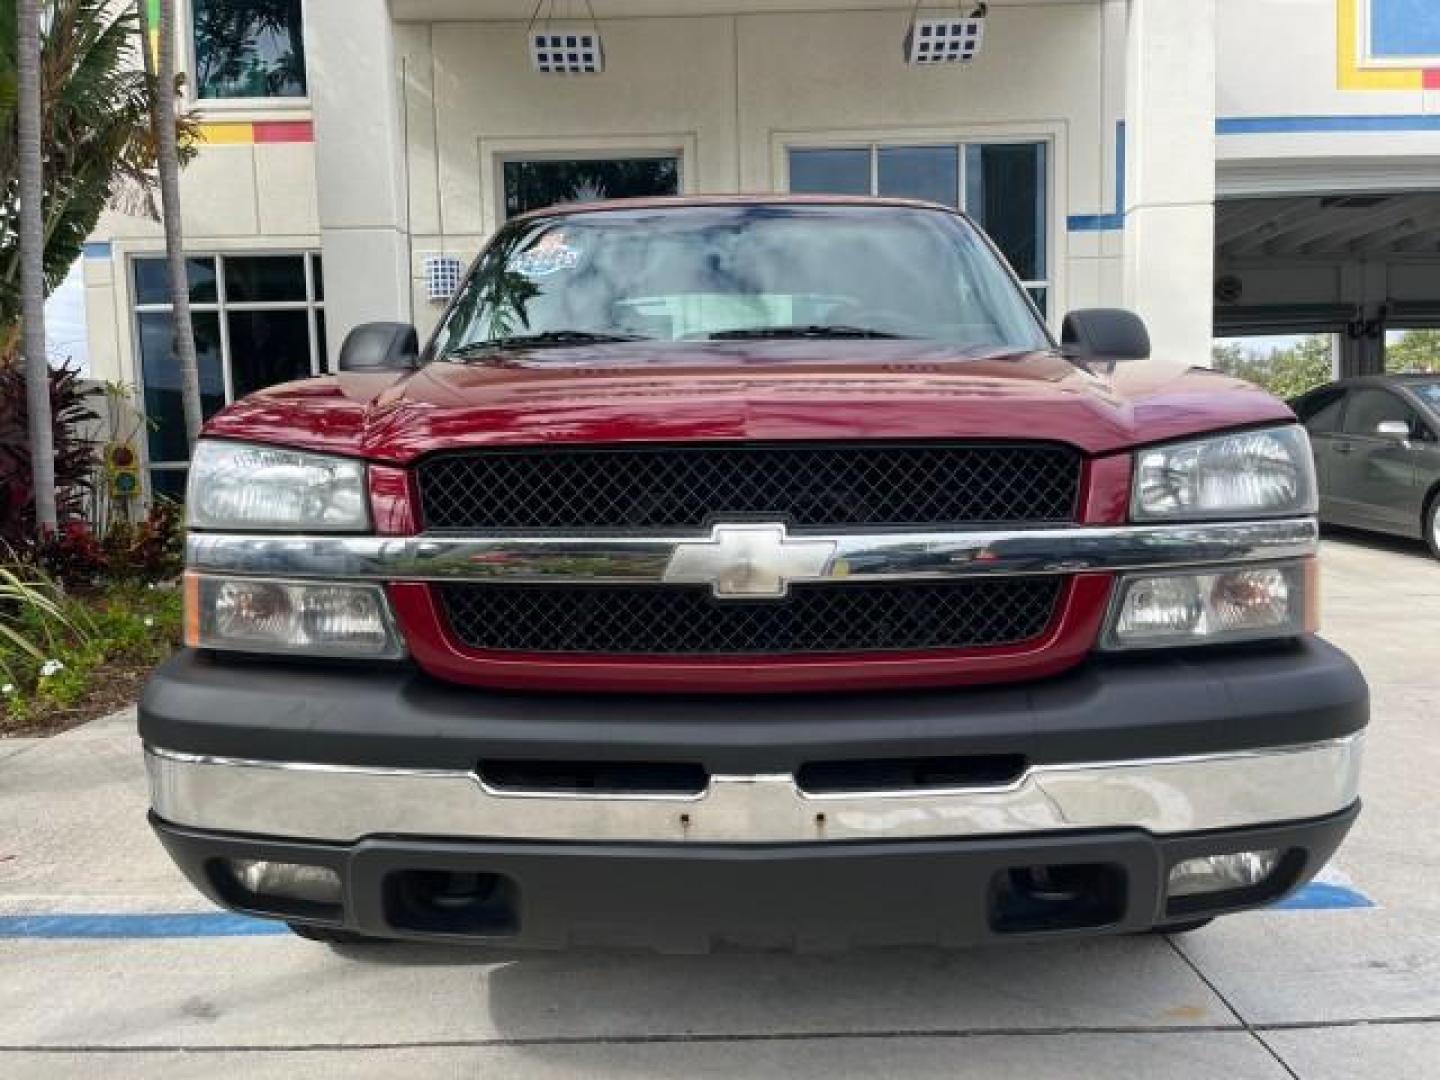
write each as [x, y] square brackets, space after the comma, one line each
[305, 618]
[236, 486]
[1217, 606]
[1268, 473]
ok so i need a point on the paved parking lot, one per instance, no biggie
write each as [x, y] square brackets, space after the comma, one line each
[1344, 984]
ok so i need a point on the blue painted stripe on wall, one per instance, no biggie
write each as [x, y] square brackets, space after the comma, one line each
[1286, 125]
[179, 925]
[1116, 220]
[1252, 125]
[1094, 222]
[96, 249]
[1322, 896]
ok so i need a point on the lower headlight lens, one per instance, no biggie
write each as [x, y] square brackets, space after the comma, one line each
[312, 619]
[1230, 605]
[1221, 873]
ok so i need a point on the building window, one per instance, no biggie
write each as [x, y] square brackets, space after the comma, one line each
[259, 320]
[1003, 186]
[248, 49]
[536, 184]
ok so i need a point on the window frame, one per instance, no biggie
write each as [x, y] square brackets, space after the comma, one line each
[1333, 395]
[191, 58]
[495, 153]
[1384, 391]
[502, 160]
[874, 142]
[221, 306]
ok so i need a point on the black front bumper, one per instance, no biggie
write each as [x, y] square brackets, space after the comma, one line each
[1166, 704]
[808, 897]
[835, 893]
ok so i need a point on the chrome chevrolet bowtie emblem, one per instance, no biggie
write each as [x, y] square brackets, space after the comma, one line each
[749, 561]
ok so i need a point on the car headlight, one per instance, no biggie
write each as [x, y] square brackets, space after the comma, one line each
[310, 618]
[240, 486]
[1268, 473]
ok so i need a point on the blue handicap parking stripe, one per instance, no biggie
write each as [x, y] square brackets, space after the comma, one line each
[179, 925]
[1320, 896]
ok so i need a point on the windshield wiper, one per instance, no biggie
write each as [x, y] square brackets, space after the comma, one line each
[817, 330]
[548, 337]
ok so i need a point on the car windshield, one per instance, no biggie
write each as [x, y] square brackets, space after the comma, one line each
[1429, 393]
[716, 273]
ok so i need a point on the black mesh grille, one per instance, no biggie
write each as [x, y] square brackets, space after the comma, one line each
[670, 620]
[806, 484]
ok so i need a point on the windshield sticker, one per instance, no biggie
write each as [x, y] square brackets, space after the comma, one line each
[550, 255]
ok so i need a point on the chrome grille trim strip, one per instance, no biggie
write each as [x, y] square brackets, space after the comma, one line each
[886, 556]
[1162, 795]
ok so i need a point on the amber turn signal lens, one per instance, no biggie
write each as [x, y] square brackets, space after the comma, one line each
[190, 585]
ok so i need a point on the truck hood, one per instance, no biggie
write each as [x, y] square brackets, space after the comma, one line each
[756, 391]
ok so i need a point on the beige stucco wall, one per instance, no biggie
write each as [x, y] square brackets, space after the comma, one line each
[730, 92]
[234, 197]
[258, 197]
[1280, 58]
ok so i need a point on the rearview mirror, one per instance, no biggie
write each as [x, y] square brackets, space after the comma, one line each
[1105, 333]
[1398, 430]
[380, 346]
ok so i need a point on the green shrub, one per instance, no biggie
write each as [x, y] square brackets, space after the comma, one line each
[57, 649]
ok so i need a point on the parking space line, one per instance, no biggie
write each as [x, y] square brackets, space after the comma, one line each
[172, 925]
[1323, 896]
[1317, 896]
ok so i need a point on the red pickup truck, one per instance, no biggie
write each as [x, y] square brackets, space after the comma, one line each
[751, 570]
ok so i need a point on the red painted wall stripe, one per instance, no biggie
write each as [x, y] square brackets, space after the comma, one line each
[1431, 79]
[283, 131]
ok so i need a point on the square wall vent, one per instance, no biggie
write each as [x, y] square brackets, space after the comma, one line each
[945, 39]
[566, 50]
[442, 277]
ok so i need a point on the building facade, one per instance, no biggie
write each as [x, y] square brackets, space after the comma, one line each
[1235, 166]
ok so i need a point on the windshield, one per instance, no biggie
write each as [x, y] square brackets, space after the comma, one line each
[1429, 393]
[707, 273]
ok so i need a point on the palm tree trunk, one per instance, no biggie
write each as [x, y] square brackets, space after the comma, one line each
[32, 262]
[161, 68]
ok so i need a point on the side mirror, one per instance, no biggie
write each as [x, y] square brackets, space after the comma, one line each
[1396, 430]
[1105, 333]
[380, 346]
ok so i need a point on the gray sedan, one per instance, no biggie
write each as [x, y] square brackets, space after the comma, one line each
[1377, 453]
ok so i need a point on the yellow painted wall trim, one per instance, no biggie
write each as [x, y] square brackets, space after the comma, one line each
[1349, 74]
[227, 134]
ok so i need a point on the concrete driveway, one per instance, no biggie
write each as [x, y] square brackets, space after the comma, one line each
[110, 966]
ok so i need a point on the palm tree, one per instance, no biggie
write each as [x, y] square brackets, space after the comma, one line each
[95, 137]
[97, 150]
[160, 67]
[32, 260]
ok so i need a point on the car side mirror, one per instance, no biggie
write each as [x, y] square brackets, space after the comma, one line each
[1105, 334]
[1395, 430]
[380, 346]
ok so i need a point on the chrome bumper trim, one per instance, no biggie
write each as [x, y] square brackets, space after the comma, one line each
[1165, 795]
[853, 557]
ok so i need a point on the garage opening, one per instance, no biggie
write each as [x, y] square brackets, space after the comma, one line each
[1311, 287]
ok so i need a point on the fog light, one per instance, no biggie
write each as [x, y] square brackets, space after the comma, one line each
[1221, 873]
[287, 881]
